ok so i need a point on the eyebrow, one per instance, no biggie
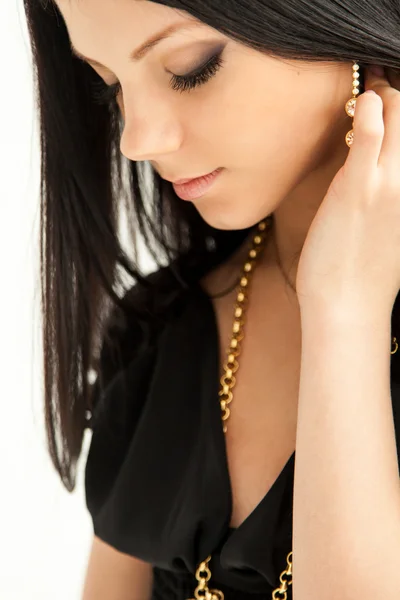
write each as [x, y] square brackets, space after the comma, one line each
[144, 48]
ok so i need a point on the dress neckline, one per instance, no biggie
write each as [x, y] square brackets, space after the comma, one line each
[288, 468]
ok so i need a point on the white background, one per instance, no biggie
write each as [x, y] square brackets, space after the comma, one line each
[45, 532]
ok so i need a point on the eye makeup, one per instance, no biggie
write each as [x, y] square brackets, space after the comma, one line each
[106, 94]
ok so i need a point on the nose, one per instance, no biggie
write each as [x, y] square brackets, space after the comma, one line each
[153, 134]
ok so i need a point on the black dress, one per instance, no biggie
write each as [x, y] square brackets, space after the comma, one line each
[157, 481]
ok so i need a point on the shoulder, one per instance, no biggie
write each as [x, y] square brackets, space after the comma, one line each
[131, 332]
[135, 348]
[130, 336]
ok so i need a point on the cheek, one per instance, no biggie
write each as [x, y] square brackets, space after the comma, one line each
[270, 121]
[267, 131]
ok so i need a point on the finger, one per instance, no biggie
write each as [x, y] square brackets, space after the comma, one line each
[390, 150]
[368, 133]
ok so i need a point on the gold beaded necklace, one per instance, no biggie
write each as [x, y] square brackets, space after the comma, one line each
[228, 380]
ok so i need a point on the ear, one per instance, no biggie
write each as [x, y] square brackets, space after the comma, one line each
[393, 76]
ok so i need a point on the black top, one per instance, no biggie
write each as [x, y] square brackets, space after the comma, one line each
[157, 481]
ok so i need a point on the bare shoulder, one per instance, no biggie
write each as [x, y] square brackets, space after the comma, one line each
[113, 575]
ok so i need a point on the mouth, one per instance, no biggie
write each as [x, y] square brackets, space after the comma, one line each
[194, 188]
[187, 179]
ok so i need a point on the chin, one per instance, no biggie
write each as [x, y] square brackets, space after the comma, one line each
[228, 218]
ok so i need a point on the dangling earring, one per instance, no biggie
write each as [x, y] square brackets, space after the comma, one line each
[350, 106]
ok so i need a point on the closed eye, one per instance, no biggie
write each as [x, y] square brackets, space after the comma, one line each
[105, 94]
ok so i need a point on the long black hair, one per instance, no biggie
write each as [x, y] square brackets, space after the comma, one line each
[87, 277]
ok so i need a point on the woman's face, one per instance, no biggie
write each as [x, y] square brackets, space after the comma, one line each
[276, 127]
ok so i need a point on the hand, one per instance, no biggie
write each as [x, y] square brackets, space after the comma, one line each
[352, 249]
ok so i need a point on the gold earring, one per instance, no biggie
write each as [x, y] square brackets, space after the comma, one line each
[350, 106]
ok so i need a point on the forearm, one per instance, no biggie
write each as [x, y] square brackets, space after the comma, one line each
[346, 520]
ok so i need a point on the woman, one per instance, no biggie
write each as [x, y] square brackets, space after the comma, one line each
[190, 477]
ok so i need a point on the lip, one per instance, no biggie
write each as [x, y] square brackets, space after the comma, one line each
[179, 181]
[190, 189]
[187, 179]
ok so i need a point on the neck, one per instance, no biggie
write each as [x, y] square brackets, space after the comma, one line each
[294, 215]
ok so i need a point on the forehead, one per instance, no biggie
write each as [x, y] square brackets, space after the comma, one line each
[141, 16]
[95, 25]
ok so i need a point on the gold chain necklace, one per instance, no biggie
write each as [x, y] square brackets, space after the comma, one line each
[228, 380]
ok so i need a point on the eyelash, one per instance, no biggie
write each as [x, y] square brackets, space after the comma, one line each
[105, 94]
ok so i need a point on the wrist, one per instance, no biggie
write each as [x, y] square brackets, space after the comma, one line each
[339, 314]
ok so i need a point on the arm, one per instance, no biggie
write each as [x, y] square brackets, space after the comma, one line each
[346, 519]
[112, 575]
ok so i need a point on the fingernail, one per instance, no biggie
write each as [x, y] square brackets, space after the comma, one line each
[376, 70]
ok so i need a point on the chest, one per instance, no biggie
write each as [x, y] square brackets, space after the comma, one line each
[261, 428]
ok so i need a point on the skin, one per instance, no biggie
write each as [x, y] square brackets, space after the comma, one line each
[279, 155]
